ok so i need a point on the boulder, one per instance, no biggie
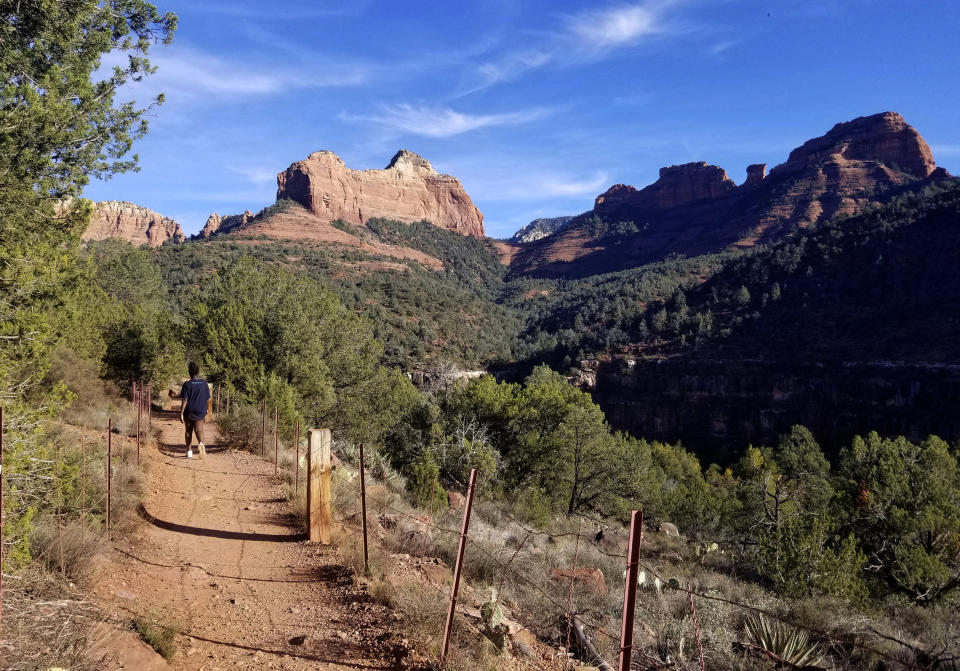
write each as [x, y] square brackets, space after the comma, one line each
[408, 190]
[670, 529]
[591, 578]
[456, 500]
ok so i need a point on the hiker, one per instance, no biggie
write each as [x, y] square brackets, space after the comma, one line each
[194, 397]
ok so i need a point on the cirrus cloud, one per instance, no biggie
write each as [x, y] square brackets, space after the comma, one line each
[441, 121]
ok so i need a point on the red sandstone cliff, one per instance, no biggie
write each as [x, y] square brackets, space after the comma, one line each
[409, 189]
[695, 208]
[130, 222]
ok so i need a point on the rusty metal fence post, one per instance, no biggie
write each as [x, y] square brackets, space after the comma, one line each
[276, 440]
[363, 512]
[263, 424]
[109, 468]
[296, 462]
[138, 434]
[630, 590]
[448, 626]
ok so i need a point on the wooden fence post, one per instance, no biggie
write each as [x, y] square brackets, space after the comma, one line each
[630, 590]
[456, 571]
[363, 512]
[276, 440]
[318, 485]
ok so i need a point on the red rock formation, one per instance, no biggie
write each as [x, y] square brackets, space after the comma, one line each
[678, 185]
[225, 224]
[130, 222]
[409, 189]
[695, 208]
[756, 174]
[881, 138]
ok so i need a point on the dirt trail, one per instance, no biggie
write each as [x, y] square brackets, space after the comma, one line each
[216, 549]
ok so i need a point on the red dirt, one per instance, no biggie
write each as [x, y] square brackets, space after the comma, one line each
[305, 227]
[218, 552]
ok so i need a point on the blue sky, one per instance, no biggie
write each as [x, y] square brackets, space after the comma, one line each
[536, 107]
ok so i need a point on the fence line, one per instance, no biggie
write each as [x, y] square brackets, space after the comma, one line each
[674, 585]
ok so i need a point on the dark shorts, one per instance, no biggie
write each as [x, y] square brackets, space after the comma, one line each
[191, 427]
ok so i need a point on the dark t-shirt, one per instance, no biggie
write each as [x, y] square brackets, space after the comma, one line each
[197, 393]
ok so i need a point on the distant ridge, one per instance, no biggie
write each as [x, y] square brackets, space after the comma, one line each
[540, 228]
[695, 208]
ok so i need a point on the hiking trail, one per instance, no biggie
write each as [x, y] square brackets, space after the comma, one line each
[217, 551]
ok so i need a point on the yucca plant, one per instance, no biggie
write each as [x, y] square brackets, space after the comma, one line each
[783, 642]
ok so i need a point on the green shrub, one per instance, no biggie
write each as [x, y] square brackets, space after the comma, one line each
[158, 633]
[240, 429]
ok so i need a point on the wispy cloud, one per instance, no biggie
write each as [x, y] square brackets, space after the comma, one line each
[601, 30]
[188, 73]
[945, 149]
[256, 175]
[507, 69]
[441, 121]
[721, 48]
[287, 11]
[579, 38]
[552, 186]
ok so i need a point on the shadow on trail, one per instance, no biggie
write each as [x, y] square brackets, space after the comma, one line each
[218, 533]
[179, 450]
[335, 655]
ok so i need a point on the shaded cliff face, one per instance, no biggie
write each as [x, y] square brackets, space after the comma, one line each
[696, 209]
[678, 185]
[224, 224]
[409, 189]
[130, 222]
[719, 407]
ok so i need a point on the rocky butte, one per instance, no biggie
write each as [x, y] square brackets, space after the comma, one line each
[695, 208]
[408, 190]
[135, 224]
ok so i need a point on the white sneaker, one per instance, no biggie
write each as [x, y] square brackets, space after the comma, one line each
[202, 450]
[189, 454]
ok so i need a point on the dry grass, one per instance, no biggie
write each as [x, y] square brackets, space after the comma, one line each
[67, 548]
[46, 624]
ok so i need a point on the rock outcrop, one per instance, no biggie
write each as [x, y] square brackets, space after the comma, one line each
[678, 185]
[225, 224]
[133, 223]
[885, 140]
[756, 173]
[540, 228]
[409, 189]
[696, 209]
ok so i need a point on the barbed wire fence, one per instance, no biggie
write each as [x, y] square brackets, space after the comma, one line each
[584, 617]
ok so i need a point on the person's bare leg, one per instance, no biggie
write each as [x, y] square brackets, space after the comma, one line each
[188, 437]
[198, 429]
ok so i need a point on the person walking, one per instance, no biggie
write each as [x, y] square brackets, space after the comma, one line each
[194, 397]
